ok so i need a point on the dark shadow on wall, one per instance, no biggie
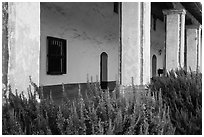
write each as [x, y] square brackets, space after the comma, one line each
[5, 52]
[71, 90]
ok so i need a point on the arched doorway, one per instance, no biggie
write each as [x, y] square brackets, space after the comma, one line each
[154, 65]
[104, 70]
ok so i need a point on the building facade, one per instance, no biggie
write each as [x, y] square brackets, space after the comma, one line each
[71, 43]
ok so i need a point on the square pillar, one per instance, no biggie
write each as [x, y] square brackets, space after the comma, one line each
[199, 55]
[193, 46]
[23, 44]
[175, 30]
[135, 43]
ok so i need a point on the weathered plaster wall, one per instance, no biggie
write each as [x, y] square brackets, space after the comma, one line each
[200, 59]
[90, 29]
[172, 41]
[23, 42]
[135, 35]
[192, 41]
[177, 5]
[130, 43]
[157, 43]
[5, 55]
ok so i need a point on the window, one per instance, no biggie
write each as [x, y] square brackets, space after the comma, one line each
[116, 7]
[56, 56]
[154, 23]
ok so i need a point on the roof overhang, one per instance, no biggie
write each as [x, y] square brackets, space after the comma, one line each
[195, 8]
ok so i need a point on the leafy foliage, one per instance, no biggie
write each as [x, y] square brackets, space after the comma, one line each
[171, 106]
[100, 112]
[182, 92]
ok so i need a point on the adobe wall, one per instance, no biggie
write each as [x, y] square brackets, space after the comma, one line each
[90, 29]
[23, 43]
[157, 43]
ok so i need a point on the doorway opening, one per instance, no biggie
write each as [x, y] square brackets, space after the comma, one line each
[104, 70]
[154, 66]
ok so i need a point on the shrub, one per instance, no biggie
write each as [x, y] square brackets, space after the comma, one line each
[182, 92]
[100, 112]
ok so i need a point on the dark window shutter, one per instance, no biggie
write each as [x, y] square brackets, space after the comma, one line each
[64, 57]
[115, 7]
[56, 56]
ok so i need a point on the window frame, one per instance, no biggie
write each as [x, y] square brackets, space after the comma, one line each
[154, 23]
[116, 7]
[62, 56]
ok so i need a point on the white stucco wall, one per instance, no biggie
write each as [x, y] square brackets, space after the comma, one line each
[135, 35]
[130, 34]
[192, 41]
[24, 44]
[200, 59]
[157, 43]
[90, 29]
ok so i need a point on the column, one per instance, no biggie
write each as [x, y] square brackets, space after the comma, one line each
[199, 55]
[23, 44]
[175, 29]
[193, 46]
[135, 42]
[5, 53]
